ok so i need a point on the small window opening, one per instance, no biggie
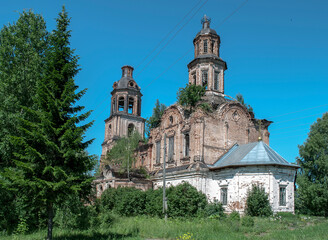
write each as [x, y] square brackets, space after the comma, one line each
[171, 119]
[282, 196]
[212, 46]
[130, 106]
[197, 49]
[205, 46]
[158, 152]
[130, 129]
[224, 196]
[216, 81]
[204, 79]
[171, 148]
[113, 106]
[187, 145]
[131, 84]
[194, 78]
[121, 104]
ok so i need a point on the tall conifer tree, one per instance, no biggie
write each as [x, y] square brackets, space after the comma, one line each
[51, 161]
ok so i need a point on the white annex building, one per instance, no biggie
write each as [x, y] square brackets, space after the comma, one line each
[222, 152]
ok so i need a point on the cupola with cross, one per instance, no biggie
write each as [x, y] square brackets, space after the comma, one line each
[207, 68]
[125, 114]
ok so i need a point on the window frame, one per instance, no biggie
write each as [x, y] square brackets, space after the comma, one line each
[205, 46]
[158, 152]
[224, 195]
[282, 195]
[171, 149]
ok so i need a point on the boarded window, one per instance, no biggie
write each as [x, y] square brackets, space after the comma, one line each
[186, 145]
[282, 196]
[205, 46]
[158, 152]
[204, 78]
[121, 104]
[171, 148]
[130, 106]
[216, 80]
[224, 196]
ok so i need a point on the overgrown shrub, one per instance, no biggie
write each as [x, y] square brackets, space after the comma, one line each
[185, 201]
[214, 210]
[234, 216]
[247, 221]
[74, 214]
[154, 202]
[257, 203]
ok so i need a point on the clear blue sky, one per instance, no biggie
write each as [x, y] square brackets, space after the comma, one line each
[276, 51]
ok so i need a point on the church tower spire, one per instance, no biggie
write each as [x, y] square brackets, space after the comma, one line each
[207, 68]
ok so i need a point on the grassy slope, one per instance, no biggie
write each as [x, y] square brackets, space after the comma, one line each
[207, 229]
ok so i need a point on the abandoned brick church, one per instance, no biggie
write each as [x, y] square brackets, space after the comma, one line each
[222, 153]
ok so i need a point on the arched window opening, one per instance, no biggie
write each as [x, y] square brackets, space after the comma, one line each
[130, 106]
[205, 46]
[171, 149]
[130, 129]
[212, 46]
[171, 120]
[216, 80]
[186, 145]
[113, 105]
[204, 78]
[121, 104]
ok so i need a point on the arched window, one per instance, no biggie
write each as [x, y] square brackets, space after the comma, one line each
[205, 46]
[130, 105]
[204, 78]
[130, 129]
[121, 104]
[110, 129]
[171, 120]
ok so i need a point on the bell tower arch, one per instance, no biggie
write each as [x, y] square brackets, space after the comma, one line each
[125, 113]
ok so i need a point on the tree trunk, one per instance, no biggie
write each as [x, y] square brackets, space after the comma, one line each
[50, 211]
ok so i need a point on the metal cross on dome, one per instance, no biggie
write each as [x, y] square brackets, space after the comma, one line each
[205, 19]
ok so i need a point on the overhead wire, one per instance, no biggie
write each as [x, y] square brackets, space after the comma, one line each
[167, 43]
[168, 34]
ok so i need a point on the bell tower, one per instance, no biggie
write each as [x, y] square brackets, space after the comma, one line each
[125, 113]
[207, 68]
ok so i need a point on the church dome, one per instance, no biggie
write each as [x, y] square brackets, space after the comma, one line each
[206, 27]
[127, 80]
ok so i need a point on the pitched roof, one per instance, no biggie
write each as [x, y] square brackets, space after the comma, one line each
[255, 153]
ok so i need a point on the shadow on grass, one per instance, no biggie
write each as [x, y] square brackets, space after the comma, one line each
[96, 235]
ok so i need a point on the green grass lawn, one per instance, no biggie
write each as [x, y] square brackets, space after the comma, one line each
[289, 227]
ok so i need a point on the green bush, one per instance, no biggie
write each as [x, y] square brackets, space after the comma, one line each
[247, 221]
[234, 216]
[257, 203]
[154, 202]
[214, 210]
[185, 201]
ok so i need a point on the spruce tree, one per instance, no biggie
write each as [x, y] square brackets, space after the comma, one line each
[312, 179]
[51, 159]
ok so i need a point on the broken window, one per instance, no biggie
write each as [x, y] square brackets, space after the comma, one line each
[282, 196]
[216, 80]
[130, 129]
[194, 78]
[130, 105]
[205, 46]
[204, 78]
[186, 145]
[171, 148]
[158, 152]
[224, 196]
[121, 104]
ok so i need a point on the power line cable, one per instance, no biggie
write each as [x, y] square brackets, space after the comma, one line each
[297, 118]
[168, 34]
[167, 43]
